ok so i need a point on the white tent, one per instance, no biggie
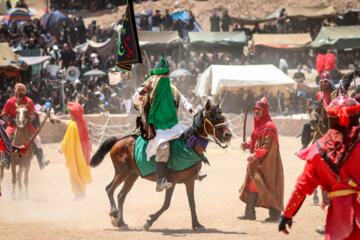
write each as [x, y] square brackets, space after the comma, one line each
[217, 78]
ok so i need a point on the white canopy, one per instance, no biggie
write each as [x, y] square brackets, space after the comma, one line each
[217, 78]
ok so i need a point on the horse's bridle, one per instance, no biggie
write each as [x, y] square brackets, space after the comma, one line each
[215, 127]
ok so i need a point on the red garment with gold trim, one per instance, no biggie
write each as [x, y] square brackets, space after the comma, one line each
[343, 218]
[10, 110]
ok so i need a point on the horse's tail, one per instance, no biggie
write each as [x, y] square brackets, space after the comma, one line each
[104, 148]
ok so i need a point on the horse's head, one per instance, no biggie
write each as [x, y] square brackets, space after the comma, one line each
[21, 115]
[316, 111]
[213, 123]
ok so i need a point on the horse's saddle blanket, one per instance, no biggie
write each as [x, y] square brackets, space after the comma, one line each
[181, 157]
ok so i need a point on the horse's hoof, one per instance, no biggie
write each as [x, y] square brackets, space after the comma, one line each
[113, 213]
[146, 226]
[124, 227]
[201, 229]
[114, 222]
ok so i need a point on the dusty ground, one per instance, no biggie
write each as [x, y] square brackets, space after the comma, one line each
[51, 212]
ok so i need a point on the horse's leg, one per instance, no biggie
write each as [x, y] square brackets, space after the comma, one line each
[190, 194]
[315, 197]
[26, 178]
[110, 191]
[13, 173]
[129, 183]
[153, 217]
[19, 177]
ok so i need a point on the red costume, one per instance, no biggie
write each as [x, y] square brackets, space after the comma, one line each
[333, 162]
[10, 110]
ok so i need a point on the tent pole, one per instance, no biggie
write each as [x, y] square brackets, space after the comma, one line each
[279, 102]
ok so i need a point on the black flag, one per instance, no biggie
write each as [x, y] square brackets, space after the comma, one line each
[128, 49]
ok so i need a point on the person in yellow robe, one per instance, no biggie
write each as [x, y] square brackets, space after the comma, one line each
[76, 148]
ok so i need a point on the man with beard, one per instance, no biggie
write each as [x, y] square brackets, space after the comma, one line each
[9, 115]
[333, 162]
[264, 181]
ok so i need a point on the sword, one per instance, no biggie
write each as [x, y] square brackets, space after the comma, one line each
[42, 124]
[244, 130]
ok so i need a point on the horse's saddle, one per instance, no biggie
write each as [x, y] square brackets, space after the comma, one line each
[180, 157]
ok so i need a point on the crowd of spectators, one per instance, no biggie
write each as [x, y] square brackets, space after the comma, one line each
[98, 95]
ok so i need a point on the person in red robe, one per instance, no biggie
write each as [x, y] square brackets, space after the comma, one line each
[333, 162]
[9, 115]
[264, 180]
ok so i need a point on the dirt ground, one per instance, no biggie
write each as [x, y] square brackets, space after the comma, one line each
[51, 213]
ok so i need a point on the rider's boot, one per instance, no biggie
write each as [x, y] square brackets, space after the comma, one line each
[161, 182]
[40, 157]
[6, 161]
[250, 213]
[200, 176]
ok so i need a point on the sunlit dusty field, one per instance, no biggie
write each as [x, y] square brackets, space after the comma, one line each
[51, 213]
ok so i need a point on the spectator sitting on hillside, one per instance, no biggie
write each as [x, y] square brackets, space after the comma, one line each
[299, 76]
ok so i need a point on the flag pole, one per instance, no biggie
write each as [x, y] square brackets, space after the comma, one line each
[143, 70]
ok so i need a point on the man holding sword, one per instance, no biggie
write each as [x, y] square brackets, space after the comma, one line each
[264, 180]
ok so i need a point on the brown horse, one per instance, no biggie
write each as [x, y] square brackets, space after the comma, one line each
[208, 122]
[318, 119]
[319, 126]
[20, 137]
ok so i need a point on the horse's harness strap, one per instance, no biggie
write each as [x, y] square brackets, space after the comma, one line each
[214, 127]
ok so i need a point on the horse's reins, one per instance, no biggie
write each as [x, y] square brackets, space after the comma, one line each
[319, 122]
[214, 127]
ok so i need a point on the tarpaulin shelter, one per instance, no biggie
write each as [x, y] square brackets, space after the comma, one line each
[283, 41]
[293, 12]
[304, 12]
[181, 14]
[53, 20]
[217, 78]
[17, 15]
[158, 43]
[9, 62]
[338, 37]
[33, 57]
[103, 49]
[216, 41]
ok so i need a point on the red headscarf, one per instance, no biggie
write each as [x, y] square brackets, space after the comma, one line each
[76, 111]
[264, 125]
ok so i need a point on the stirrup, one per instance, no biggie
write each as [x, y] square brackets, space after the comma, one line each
[44, 163]
[163, 185]
[200, 176]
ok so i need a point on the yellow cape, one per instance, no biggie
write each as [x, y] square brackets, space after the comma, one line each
[75, 160]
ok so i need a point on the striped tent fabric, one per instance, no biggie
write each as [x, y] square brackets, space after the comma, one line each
[16, 14]
[36, 69]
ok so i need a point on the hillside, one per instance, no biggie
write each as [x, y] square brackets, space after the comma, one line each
[203, 9]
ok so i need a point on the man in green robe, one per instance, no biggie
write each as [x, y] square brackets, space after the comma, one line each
[158, 102]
